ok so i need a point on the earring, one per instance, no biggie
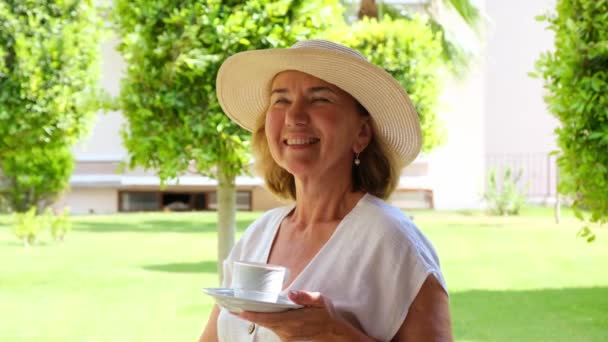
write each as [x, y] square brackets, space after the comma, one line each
[357, 160]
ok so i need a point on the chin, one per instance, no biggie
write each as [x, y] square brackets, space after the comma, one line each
[299, 169]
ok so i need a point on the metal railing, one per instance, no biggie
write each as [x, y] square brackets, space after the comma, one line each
[538, 172]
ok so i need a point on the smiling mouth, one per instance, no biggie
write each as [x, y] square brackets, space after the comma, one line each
[300, 141]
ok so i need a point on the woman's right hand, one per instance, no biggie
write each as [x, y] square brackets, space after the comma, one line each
[317, 321]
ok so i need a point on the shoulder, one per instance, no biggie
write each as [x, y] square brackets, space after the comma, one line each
[395, 232]
[385, 219]
[392, 257]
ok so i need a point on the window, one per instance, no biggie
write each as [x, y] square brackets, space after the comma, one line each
[139, 201]
[243, 200]
[200, 202]
[177, 201]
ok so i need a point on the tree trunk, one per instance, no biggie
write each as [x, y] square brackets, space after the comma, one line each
[368, 9]
[226, 214]
[557, 199]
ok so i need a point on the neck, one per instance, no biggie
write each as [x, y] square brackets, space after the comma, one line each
[322, 201]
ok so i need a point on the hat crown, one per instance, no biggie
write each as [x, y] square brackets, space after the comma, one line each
[326, 45]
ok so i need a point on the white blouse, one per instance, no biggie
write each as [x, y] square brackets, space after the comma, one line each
[371, 269]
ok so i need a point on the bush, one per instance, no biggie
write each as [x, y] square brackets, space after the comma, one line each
[61, 225]
[36, 178]
[504, 197]
[576, 80]
[27, 226]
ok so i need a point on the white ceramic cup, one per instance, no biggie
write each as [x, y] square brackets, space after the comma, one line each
[258, 281]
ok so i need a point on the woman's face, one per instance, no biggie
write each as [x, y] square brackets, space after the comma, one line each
[313, 127]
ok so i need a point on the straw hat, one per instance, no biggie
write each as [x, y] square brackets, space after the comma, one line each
[244, 81]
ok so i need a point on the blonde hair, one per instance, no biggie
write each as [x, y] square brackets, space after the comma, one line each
[377, 174]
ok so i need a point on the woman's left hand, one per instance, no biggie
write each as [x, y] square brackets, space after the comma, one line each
[317, 320]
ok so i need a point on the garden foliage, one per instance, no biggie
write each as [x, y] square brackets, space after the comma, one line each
[576, 80]
[49, 92]
[411, 52]
[504, 196]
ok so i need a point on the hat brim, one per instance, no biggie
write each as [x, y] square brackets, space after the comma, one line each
[244, 81]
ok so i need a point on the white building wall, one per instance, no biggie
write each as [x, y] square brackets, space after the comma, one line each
[516, 117]
[90, 201]
[457, 168]
[104, 141]
[519, 129]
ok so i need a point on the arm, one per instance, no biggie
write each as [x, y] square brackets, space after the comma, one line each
[343, 331]
[210, 331]
[428, 318]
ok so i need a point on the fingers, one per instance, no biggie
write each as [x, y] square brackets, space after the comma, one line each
[310, 299]
[299, 324]
[268, 319]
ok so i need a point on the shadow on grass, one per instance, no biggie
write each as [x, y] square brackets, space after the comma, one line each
[571, 314]
[474, 225]
[17, 243]
[154, 226]
[184, 267]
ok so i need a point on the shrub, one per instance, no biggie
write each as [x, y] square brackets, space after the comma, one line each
[27, 226]
[576, 80]
[503, 196]
[61, 225]
[37, 177]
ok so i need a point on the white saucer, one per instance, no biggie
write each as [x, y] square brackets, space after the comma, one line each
[226, 299]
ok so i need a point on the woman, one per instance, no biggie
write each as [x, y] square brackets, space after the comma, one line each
[332, 132]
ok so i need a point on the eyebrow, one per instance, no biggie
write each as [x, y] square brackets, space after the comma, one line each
[279, 91]
[319, 89]
[311, 90]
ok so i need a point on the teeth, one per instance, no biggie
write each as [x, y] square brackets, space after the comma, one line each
[300, 141]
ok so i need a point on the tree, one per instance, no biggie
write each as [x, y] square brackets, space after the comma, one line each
[457, 57]
[49, 92]
[576, 80]
[411, 52]
[173, 51]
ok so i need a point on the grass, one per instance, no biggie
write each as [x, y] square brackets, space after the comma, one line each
[138, 278]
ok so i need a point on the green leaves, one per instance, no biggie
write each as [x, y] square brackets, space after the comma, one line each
[174, 50]
[36, 176]
[504, 196]
[586, 234]
[577, 83]
[411, 52]
[27, 225]
[49, 91]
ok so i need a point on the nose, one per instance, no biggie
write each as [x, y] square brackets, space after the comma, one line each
[296, 114]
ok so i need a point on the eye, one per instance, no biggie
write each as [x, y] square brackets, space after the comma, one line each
[320, 99]
[280, 100]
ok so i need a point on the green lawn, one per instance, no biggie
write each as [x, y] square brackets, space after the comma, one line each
[138, 278]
